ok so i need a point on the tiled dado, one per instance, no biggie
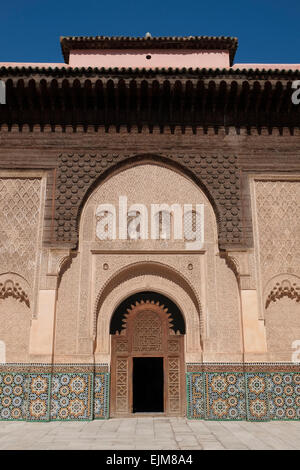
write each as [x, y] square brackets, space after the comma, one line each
[43, 393]
[256, 392]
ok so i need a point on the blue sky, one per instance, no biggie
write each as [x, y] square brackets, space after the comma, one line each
[268, 30]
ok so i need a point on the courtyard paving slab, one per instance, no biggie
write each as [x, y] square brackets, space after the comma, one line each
[150, 433]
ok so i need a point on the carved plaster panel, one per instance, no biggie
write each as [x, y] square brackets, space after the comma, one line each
[21, 223]
[276, 214]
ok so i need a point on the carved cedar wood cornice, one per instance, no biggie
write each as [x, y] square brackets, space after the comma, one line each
[94, 97]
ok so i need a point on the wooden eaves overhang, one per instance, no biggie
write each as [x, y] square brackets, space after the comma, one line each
[149, 97]
[127, 43]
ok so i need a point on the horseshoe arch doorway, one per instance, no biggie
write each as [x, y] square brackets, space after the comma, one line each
[147, 363]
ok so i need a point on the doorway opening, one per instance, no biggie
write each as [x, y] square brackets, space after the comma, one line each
[148, 385]
[147, 368]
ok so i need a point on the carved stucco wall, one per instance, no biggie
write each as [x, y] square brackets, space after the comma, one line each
[278, 224]
[15, 329]
[224, 336]
[20, 200]
[66, 330]
[21, 215]
[218, 173]
[212, 281]
[277, 246]
[145, 184]
[283, 328]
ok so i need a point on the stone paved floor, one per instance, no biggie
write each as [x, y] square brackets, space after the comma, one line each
[150, 433]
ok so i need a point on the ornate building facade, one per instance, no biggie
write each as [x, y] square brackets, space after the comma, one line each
[93, 327]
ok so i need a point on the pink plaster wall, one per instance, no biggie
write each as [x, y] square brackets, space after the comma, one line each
[267, 66]
[159, 58]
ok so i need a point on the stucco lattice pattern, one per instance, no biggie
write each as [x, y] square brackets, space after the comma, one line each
[19, 222]
[278, 224]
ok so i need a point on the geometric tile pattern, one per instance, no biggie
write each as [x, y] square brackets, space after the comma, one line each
[38, 399]
[196, 395]
[258, 396]
[252, 396]
[39, 396]
[13, 396]
[72, 396]
[225, 396]
[231, 394]
[101, 395]
[284, 402]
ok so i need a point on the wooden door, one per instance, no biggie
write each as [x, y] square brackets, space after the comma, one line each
[147, 332]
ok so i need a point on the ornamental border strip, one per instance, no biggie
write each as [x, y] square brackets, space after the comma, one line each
[106, 403]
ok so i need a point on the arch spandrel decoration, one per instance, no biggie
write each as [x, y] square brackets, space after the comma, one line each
[168, 188]
[208, 171]
[148, 332]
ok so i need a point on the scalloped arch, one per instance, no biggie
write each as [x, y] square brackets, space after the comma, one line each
[282, 285]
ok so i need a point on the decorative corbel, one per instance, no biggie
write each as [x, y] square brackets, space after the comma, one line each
[238, 262]
[56, 260]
